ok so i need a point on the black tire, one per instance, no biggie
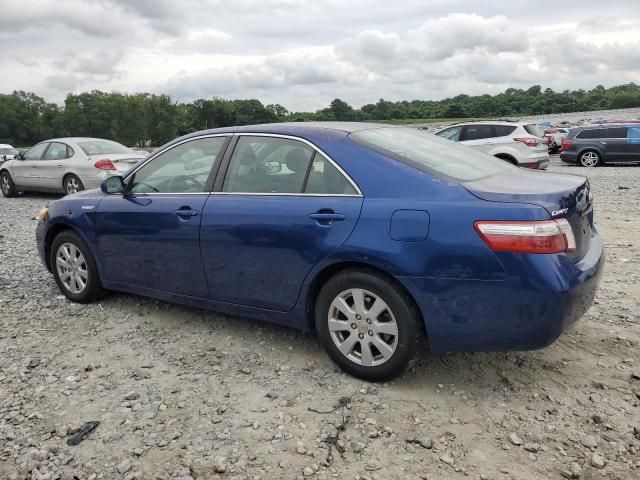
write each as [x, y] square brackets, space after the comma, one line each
[93, 288]
[410, 343]
[72, 184]
[586, 158]
[7, 186]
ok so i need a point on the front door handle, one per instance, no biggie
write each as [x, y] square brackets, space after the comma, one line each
[186, 212]
[327, 218]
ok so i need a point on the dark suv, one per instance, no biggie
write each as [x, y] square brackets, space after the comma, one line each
[595, 145]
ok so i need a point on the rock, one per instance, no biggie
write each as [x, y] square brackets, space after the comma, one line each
[566, 474]
[424, 442]
[597, 461]
[124, 467]
[308, 471]
[597, 418]
[589, 441]
[515, 439]
[132, 396]
[636, 375]
[576, 471]
[448, 459]
[220, 464]
[532, 447]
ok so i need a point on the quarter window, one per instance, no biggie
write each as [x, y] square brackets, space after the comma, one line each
[325, 178]
[503, 130]
[268, 165]
[594, 133]
[56, 151]
[36, 152]
[181, 169]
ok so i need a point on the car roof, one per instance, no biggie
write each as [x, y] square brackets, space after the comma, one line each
[5, 145]
[299, 127]
[508, 123]
[76, 139]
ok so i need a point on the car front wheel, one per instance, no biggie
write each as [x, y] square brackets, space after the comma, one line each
[6, 185]
[74, 268]
[368, 325]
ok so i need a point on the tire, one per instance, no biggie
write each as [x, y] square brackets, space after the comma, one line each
[7, 186]
[400, 316]
[68, 245]
[72, 184]
[590, 158]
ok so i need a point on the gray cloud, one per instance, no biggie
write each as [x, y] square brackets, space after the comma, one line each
[303, 54]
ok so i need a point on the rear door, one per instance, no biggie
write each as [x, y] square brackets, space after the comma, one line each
[150, 237]
[618, 148]
[477, 136]
[51, 167]
[282, 207]
[25, 172]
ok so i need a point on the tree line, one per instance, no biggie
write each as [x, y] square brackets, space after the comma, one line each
[143, 119]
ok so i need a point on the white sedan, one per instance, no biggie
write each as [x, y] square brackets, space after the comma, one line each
[66, 165]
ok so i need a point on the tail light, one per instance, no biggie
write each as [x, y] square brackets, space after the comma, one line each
[545, 236]
[566, 144]
[529, 142]
[105, 164]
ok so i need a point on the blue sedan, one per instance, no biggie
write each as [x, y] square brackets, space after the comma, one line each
[384, 240]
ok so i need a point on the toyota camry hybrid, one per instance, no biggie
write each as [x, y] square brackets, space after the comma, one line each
[382, 239]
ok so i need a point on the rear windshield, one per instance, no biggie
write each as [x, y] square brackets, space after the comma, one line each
[8, 151]
[534, 130]
[102, 147]
[430, 153]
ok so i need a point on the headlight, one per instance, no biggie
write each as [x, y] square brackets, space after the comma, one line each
[43, 214]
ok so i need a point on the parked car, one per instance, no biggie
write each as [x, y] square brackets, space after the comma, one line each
[555, 137]
[382, 239]
[7, 152]
[522, 144]
[66, 165]
[599, 144]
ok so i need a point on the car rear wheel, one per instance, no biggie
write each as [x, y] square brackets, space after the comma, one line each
[368, 325]
[590, 158]
[74, 268]
[6, 185]
[72, 184]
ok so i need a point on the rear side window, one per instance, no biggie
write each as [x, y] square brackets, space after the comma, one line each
[325, 178]
[617, 132]
[535, 130]
[268, 165]
[592, 133]
[503, 130]
[430, 153]
[477, 132]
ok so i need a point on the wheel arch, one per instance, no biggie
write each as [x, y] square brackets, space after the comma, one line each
[325, 274]
[506, 156]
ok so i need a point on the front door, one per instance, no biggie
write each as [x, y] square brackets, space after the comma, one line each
[25, 172]
[150, 237]
[283, 208]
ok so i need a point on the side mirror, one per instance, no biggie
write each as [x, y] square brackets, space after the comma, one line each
[113, 185]
[19, 156]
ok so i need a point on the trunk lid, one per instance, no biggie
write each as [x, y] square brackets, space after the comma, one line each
[563, 196]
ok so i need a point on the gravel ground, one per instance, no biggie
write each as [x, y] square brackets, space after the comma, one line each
[183, 393]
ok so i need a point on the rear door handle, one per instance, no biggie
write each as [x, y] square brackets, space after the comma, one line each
[186, 212]
[327, 218]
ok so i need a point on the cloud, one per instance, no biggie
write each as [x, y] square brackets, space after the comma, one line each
[303, 54]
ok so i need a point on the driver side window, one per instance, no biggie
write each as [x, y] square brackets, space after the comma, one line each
[181, 169]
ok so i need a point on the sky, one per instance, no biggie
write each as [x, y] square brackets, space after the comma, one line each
[303, 54]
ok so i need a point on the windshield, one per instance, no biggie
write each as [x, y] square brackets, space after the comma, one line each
[102, 147]
[8, 151]
[430, 153]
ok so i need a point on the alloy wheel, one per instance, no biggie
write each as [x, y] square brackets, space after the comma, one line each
[73, 186]
[362, 327]
[72, 268]
[5, 185]
[589, 159]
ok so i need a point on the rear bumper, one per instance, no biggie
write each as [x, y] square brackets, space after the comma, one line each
[569, 157]
[527, 311]
[538, 160]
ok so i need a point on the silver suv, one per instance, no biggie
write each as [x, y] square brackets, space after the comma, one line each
[522, 144]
